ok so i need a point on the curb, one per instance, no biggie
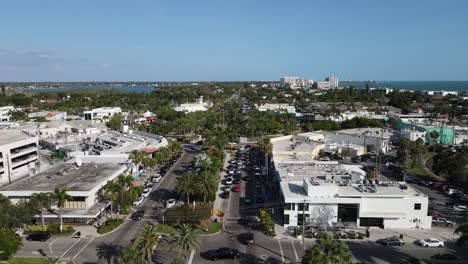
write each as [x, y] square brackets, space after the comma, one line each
[123, 223]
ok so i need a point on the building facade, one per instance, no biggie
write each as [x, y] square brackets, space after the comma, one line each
[101, 113]
[18, 155]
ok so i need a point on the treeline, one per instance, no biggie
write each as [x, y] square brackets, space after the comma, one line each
[356, 122]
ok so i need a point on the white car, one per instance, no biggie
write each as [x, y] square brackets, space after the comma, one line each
[170, 203]
[430, 242]
[460, 208]
[156, 178]
[149, 185]
[231, 172]
[146, 192]
[228, 181]
[138, 201]
[239, 162]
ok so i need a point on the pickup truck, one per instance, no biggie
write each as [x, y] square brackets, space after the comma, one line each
[442, 221]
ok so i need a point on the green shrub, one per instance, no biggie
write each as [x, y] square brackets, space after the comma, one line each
[298, 231]
[336, 236]
[344, 236]
[53, 229]
[446, 256]
[351, 235]
[109, 226]
[360, 236]
[186, 214]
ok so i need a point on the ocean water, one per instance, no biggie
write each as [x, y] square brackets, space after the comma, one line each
[461, 86]
[136, 89]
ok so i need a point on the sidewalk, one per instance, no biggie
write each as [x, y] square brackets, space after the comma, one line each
[218, 202]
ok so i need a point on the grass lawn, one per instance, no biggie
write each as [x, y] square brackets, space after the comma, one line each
[213, 228]
[165, 229]
[17, 260]
[419, 168]
[109, 226]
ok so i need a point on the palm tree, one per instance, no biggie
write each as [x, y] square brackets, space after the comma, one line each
[174, 146]
[125, 181]
[130, 255]
[113, 191]
[206, 184]
[61, 196]
[266, 147]
[185, 184]
[463, 231]
[185, 239]
[327, 250]
[434, 136]
[146, 241]
[136, 156]
[42, 200]
[152, 164]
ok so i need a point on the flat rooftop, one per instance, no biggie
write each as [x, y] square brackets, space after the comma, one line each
[82, 179]
[319, 171]
[297, 150]
[10, 136]
[374, 132]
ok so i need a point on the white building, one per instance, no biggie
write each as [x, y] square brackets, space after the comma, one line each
[333, 82]
[194, 107]
[49, 115]
[278, 108]
[378, 139]
[327, 194]
[413, 134]
[295, 82]
[323, 85]
[100, 113]
[18, 155]
[83, 179]
[4, 113]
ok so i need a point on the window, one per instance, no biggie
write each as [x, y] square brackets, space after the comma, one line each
[417, 206]
[286, 219]
[301, 207]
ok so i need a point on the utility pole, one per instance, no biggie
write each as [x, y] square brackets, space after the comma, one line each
[303, 224]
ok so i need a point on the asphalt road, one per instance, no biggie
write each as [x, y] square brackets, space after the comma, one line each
[104, 249]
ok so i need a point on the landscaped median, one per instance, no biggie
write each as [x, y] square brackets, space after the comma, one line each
[109, 226]
[18, 260]
[53, 229]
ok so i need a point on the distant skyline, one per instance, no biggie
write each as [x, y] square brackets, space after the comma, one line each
[223, 40]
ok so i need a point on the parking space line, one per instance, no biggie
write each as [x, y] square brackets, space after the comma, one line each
[192, 253]
[70, 248]
[51, 243]
[281, 250]
[83, 248]
[295, 252]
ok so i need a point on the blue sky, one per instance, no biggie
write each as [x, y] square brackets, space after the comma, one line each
[112, 40]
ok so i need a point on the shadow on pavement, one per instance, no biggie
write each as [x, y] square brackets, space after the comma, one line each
[108, 251]
[378, 253]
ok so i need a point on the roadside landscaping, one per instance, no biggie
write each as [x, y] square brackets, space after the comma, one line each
[109, 226]
[18, 260]
[53, 229]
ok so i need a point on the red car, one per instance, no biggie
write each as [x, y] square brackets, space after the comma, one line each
[236, 188]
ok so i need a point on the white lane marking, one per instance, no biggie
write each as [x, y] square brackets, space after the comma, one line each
[295, 252]
[70, 248]
[192, 253]
[281, 250]
[83, 248]
[51, 243]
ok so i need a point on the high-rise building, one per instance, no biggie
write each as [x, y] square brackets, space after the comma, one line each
[333, 81]
[296, 82]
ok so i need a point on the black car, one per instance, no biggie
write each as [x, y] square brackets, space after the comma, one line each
[224, 194]
[247, 238]
[260, 200]
[223, 253]
[138, 215]
[391, 241]
[40, 236]
[236, 181]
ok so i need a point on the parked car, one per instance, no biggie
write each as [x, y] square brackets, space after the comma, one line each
[430, 242]
[156, 178]
[442, 221]
[170, 203]
[453, 191]
[223, 253]
[247, 238]
[138, 201]
[146, 192]
[225, 194]
[460, 208]
[236, 180]
[391, 241]
[250, 221]
[236, 188]
[247, 200]
[138, 215]
[324, 159]
[228, 181]
[39, 236]
[149, 185]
